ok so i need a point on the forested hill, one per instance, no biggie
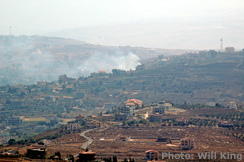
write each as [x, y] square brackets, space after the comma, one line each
[209, 76]
[28, 59]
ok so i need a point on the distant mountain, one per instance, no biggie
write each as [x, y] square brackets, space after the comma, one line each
[170, 35]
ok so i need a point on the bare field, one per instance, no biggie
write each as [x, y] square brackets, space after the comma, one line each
[66, 145]
[144, 138]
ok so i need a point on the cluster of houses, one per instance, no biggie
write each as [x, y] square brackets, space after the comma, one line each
[39, 152]
[158, 110]
[185, 144]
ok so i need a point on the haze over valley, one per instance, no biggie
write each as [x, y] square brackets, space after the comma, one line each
[121, 81]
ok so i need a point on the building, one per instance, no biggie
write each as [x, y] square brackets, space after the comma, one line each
[86, 156]
[151, 155]
[121, 138]
[42, 83]
[186, 144]
[132, 111]
[160, 57]
[129, 109]
[63, 78]
[38, 153]
[102, 71]
[155, 118]
[134, 102]
[72, 127]
[107, 117]
[230, 49]
[231, 105]
[163, 139]
[120, 117]
[15, 121]
[182, 121]
[5, 115]
[80, 117]
[161, 107]
[40, 128]
[158, 110]
[165, 105]
[140, 67]
[109, 105]
[212, 104]
[226, 124]
[93, 124]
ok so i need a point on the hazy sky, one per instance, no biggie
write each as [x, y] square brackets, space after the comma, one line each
[45, 16]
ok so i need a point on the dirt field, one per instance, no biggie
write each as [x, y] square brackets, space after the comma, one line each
[144, 138]
[67, 144]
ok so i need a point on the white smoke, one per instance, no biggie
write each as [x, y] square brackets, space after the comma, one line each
[108, 62]
[47, 66]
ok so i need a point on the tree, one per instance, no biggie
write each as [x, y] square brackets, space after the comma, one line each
[115, 159]
[58, 154]
[71, 158]
[11, 142]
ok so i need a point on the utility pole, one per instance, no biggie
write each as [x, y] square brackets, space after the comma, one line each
[10, 30]
[221, 45]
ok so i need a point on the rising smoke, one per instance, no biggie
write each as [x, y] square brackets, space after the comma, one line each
[32, 67]
[107, 62]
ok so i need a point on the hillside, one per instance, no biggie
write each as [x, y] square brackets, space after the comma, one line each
[29, 59]
[192, 78]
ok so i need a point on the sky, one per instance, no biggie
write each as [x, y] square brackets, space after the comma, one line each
[41, 17]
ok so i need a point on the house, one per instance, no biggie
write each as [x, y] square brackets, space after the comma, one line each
[230, 49]
[212, 104]
[165, 105]
[155, 118]
[132, 111]
[140, 67]
[121, 138]
[186, 144]
[159, 110]
[37, 153]
[79, 117]
[109, 105]
[5, 115]
[120, 117]
[102, 71]
[133, 103]
[40, 128]
[107, 117]
[163, 139]
[151, 155]
[92, 124]
[161, 107]
[226, 124]
[231, 105]
[86, 156]
[63, 78]
[42, 83]
[14, 121]
[129, 109]
[182, 121]
[72, 127]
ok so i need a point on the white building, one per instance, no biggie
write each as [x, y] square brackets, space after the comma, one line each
[72, 127]
[231, 105]
[131, 110]
[186, 144]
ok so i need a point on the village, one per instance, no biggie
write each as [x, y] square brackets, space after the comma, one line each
[133, 131]
[187, 103]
